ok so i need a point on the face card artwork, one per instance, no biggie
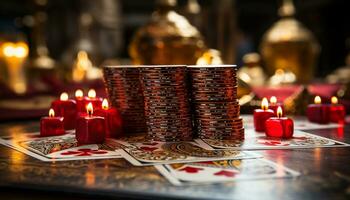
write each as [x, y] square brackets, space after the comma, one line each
[255, 140]
[60, 148]
[147, 153]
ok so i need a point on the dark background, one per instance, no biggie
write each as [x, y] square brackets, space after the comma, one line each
[327, 19]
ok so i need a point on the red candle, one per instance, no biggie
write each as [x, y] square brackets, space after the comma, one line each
[96, 101]
[337, 111]
[317, 112]
[113, 122]
[90, 129]
[261, 115]
[279, 127]
[80, 99]
[66, 108]
[51, 125]
[274, 104]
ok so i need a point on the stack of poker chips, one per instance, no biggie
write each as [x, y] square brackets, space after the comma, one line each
[124, 92]
[166, 101]
[216, 110]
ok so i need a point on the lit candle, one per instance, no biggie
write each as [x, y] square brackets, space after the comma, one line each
[318, 112]
[113, 122]
[66, 108]
[90, 129]
[80, 99]
[279, 127]
[261, 115]
[274, 104]
[337, 111]
[51, 125]
[96, 101]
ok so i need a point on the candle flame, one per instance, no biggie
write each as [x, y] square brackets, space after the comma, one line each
[64, 96]
[317, 100]
[51, 113]
[273, 100]
[279, 111]
[92, 93]
[79, 93]
[105, 104]
[334, 100]
[89, 109]
[264, 104]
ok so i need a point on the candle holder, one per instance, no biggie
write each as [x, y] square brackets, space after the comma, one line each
[51, 125]
[95, 101]
[337, 111]
[318, 112]
[261, 115]
[66, 108]
[90, 129]
[113, 121]
[279, 127]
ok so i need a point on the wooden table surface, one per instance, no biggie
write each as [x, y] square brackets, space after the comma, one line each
[325, 175]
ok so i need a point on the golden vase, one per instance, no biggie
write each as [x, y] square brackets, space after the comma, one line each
[168, 38]
[289, 46]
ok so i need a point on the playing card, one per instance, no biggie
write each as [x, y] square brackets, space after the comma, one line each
[156, 152]
[299, 124]
[254, 141]
[60, 148]
[223, 171]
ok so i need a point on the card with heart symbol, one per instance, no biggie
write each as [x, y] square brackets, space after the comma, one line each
[156, 152]
[255, 141]
[60, 148]
[223, 171]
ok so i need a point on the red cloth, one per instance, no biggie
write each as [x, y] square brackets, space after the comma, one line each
[324, 90]
[281, 92]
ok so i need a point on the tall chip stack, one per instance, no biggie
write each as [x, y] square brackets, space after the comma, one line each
[166, 100]
[124, 92]
[216, 109]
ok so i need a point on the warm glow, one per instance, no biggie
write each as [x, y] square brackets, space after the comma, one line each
[334, 100]
[105, 104]
[317, 100]
[81, 66]
[273, 100]
[264, 104]
[18, 50]
[51, 113]
[79, 93]
[64, 96]
[92, 93]
[279, 111]
[89, 109]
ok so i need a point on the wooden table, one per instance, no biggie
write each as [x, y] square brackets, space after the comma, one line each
[325, 175]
